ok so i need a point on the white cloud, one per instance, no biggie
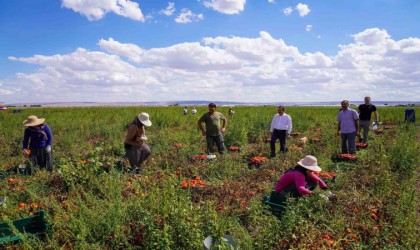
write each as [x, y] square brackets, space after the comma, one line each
[223, 68]
[287, 11]
[97, 9]
[187, 16]
[271, 1]
[169, 11]
[308, 27]
[303, 9]
[226, 6]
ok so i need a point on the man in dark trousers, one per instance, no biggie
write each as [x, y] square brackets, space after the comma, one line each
[281, 127]
[365, 112]
[214, 131]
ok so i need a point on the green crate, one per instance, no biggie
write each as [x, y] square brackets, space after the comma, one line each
[277, 203]
[30, 226]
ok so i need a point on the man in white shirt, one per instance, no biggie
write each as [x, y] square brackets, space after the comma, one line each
[281, 127]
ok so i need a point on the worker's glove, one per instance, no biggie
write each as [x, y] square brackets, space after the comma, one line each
[48, 149]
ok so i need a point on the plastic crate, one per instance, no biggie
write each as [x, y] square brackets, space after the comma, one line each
[30, 226]
[276, 202]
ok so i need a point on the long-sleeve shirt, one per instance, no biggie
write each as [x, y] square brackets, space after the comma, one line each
[38, 137]
[281, 122]
[299, 180]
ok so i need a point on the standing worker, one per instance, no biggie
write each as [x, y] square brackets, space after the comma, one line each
[136, 150]
[281, 127]
[213, 132]
[348, 125]
[38, 137]
[365, 113]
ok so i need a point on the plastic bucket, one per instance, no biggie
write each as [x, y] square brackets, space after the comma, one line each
[209, 242]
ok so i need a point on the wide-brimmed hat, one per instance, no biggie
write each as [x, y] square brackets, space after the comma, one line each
[33, 121]
[309, 162]
[144, 118]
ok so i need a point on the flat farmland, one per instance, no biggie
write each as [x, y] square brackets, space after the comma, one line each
[93, 201]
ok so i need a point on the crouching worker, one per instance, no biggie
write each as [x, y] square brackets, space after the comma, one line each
[300, 180]
[136, 150]
[38, 139]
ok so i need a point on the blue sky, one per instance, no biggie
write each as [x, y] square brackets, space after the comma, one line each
[220, 50]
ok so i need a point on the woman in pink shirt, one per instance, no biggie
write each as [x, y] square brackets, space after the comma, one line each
[300, 180]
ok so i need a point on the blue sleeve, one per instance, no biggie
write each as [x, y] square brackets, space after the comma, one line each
[49, 135]
[25, 139]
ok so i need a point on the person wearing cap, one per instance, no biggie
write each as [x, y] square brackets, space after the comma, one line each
[348, 128]
[38, 139]
[365, 113]
[136, 150]
[213, 132]
[281, 127]
[301, 179]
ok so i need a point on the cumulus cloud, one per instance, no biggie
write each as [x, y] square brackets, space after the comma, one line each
[187, 16]
[308, 27]
[228, 7]
[169, 11]
[287, 11]
[302, 9]
[97, 9]
[249, 69]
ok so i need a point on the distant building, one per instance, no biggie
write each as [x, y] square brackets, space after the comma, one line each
[2, 106]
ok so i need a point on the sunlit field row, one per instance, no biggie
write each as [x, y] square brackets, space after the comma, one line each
[94, 201]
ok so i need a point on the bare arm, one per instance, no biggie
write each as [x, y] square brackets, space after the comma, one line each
[200, 127]
[376, 116]
[224, 125]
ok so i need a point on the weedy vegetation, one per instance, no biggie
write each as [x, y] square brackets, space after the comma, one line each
[93, 201]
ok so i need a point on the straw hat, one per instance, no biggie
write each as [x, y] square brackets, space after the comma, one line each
[33, 121]
[309, 162]
[144, 118]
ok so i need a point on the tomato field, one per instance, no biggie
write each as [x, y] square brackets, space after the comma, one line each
[93, 201]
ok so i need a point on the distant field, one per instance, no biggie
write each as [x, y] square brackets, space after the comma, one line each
[94, 205]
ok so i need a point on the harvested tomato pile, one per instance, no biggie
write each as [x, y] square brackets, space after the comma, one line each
[347, 156]
[315, 139]
[234, 148]
[361, 145]
[198, 157]
[326, 175]
[295, 133]
[178, 145]
[258, 159]
[195, 182]
[294, 148]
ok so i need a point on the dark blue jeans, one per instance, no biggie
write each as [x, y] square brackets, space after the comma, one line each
[348, 143]
[281, 135]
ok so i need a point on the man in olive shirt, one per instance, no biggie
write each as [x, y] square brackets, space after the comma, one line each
[213, 132]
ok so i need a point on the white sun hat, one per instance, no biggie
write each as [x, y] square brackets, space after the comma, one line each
[33, 121]
[310, 162]
[144, 118]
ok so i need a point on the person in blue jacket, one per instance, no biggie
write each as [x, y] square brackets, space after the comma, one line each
[38, 139]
